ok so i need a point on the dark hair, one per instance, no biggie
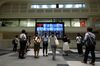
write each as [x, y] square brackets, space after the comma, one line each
[65, 35]
[36, 34]
[78, 34]
[45, 33]
[52, 32]
[89, 29]
[16, 36]
[23, 31]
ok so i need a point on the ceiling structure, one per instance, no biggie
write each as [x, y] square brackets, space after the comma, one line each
[48, 0]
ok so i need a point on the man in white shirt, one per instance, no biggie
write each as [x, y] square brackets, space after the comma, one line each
[23, 41]
[79, 44]
[90, 47]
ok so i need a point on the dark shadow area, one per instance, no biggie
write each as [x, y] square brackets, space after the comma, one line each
[62, 65]
[3, 52]
[73, 56]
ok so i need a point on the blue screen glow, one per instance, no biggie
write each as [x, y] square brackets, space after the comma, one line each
[57, 28]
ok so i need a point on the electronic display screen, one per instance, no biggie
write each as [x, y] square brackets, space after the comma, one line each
[43, 27]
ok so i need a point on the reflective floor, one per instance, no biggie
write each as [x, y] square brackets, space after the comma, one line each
[11, 59]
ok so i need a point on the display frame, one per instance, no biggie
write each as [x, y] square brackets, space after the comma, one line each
[63, 29]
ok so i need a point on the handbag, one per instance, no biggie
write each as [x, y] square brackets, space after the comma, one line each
[56, 42]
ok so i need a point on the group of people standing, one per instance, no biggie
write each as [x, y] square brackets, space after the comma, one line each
[89, 42]
[24, 42]
[45, 39]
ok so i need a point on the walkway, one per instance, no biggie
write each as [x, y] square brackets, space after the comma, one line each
[11, 59]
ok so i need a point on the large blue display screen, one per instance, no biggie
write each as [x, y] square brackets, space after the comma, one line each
[57, 28]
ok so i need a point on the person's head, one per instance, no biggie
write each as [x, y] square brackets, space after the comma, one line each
[36, 34]
[16, 36]
[78, 34]
[45, 34]
[23, 31]
[89, 29]
[65, 35]
[52, 33]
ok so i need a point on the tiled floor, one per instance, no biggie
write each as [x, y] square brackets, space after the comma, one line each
[78, 63]
[97, 52]
[11, 59]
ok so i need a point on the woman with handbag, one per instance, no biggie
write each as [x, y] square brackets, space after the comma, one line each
[52, 39]
[37, 41]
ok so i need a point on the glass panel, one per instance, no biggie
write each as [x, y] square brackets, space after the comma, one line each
[61, 6]
[53, 6]
[10, 23]
[31, 23]
[84, 5]
[78, 6]
[33, 6]
[27, 23]
[43, 6]
[44, 20]
[57, 20]
[23, 23]
[75, 23]
[69, 6]
[66, 23]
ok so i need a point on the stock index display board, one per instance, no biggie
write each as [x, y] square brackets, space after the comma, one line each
[49, 27]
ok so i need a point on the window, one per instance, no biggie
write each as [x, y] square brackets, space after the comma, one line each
[57, 20]
[44, 20]
[10, 23]
[75, 23]
[69, 6]
[27, 23]
[66, 22]
[23, 23]
[44, 6]
[31, 23]
[61, 6]
[53, 6]
[79, 5]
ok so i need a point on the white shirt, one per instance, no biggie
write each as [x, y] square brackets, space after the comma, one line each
[45, 38]
[23, 35]
[87, 34]
[78, 39]
[52, 40]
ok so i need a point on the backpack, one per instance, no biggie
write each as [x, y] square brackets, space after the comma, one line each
[13, 41]
[90, 42]
[23, 37]
[79, 39]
